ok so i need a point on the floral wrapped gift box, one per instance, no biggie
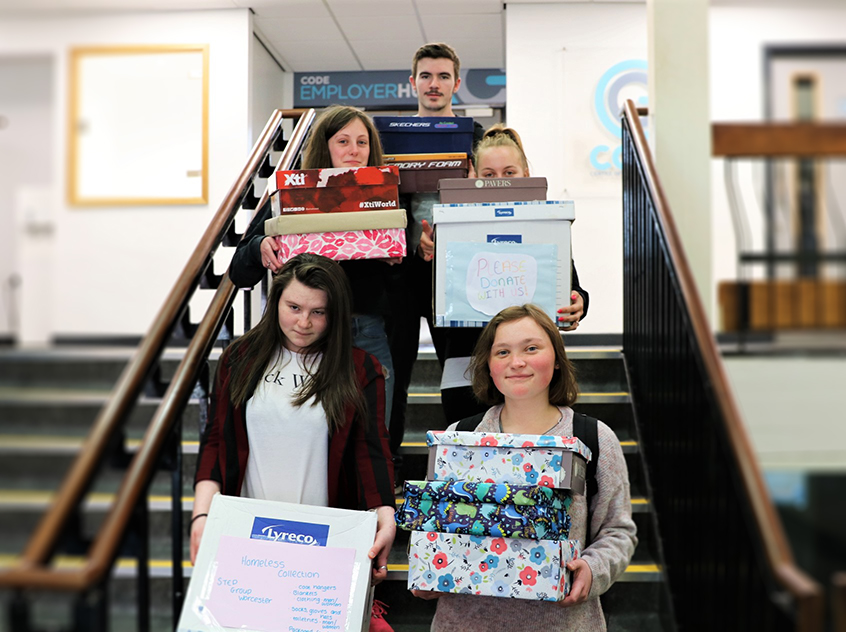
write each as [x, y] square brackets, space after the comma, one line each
[495, 567]
[495, 509]
[518, 459]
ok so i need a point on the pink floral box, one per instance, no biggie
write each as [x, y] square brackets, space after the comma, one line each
[517, 459]
[376, 243]
[494, 567]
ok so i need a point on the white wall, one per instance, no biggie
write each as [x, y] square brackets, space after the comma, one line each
[793, 408]
[113, 267]
[548, 45]
[271, 88]
[738, 36]
[26, 119]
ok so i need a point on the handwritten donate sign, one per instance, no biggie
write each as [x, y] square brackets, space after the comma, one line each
[269, 586]
[497, 280]
[483, 278]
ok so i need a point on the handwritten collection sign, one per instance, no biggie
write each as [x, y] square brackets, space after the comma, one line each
[484, 278]
[269, 586]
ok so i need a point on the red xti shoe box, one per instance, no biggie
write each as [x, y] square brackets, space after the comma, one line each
[334, 190]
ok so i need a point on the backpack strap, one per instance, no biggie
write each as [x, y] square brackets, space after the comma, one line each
[587, 430]
[468, 424]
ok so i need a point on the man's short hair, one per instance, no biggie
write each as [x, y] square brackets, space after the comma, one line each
[435, 51]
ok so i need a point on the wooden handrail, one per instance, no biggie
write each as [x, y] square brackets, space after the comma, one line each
[805, 591]
[782, 140]
[30, 571]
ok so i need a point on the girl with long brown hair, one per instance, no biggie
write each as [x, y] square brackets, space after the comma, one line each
[298, 414]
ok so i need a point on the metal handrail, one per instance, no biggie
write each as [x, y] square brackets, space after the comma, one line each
[806, 593]
[31, 570]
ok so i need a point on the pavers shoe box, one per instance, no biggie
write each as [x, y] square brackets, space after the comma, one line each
[472, 190]
[266, 566]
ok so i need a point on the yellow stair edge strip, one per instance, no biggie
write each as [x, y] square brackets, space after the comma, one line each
[41, 497]
[64, 561]
[591, 394]
[29, 441]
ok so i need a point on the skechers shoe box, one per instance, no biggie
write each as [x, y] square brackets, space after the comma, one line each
[425, 134]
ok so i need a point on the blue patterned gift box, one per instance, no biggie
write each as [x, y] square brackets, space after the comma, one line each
[502, 510]
[517, 459]
[495, 567]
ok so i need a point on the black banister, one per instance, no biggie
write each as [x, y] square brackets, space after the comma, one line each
[727, 558]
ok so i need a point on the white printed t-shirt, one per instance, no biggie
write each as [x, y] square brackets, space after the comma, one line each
[289, 446]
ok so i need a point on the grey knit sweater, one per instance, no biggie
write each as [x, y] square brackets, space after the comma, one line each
[613, 541]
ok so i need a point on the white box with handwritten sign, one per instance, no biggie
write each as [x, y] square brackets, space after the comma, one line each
[494, 255]
[267, 566]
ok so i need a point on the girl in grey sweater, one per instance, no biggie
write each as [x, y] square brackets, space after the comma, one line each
[520, 366]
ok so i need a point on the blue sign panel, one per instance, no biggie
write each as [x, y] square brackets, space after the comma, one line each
[291, 531]
[390, 89]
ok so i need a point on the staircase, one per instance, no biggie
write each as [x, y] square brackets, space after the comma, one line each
[48, 400]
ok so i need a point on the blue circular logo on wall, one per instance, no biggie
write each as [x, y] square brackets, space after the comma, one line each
[626, 80]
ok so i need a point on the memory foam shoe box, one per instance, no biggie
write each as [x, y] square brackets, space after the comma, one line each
[421, 173]
[473, 190]
[494, 255]
[266, 565]
[425, 134]
[335, 190]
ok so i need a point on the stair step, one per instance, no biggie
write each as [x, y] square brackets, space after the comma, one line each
[125, 568]
[56, 445]
[14, 499]
[420, 447]
[620, 397]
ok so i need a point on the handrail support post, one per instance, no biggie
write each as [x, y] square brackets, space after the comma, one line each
[178, 587]
[92, 610]
[141, 531]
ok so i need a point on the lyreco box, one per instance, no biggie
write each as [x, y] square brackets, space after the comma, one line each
[425, 134]
[335, 190]
[517, 459]
[475, 190]
[490, 256]
[494, 567]
[421, 173]
[265, 565]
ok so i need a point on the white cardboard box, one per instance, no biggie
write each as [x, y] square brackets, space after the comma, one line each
[266, 565]
[493, 255]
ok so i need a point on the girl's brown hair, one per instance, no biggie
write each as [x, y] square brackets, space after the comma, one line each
[333, 120]
[563, 389]
[333, 384]
[500, 136]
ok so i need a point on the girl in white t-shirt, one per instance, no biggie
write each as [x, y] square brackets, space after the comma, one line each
[298, 413]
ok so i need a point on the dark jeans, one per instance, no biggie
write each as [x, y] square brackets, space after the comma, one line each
[410, 291]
